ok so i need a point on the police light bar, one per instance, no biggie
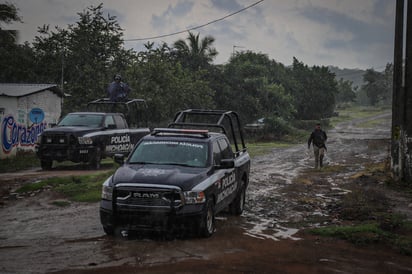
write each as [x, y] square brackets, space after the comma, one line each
[203, 132]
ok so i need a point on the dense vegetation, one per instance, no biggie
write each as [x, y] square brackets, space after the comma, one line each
[83, 58]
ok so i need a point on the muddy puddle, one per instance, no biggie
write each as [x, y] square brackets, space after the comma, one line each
[39, 237]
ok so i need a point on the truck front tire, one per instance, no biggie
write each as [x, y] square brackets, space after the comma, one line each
[95, 160]
[109, 230]
[207, 222]
[46, 164]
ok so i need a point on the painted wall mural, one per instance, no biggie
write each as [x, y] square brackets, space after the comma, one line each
[14, 133]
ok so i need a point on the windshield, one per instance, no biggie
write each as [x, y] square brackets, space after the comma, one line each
[85, 120]
[190, 154]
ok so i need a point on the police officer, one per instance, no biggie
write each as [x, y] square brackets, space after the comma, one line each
[117, 90]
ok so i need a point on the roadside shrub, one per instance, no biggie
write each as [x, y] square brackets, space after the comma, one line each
[391, 222]
[277, 126]
[364, 204]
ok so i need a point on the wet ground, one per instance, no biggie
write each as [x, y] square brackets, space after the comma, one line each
[285, 196]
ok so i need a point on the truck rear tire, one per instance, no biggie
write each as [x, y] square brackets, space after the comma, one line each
[109, 230]
[238, 205]
[46, 164]
[207, 222]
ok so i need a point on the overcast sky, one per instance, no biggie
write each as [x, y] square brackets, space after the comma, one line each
[343, 33]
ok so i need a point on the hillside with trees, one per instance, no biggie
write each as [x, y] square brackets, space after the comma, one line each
[352, 75]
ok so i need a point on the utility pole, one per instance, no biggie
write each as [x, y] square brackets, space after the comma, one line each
[407, 115]
[401, 149]
[397, 110]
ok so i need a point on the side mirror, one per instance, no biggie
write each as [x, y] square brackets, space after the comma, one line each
[119, 158]
[111, 126]
[226, 163]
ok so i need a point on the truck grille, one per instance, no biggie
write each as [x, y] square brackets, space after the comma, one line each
[59, 139]
[148, 197]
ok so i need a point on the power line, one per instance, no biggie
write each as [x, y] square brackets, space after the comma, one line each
[197, 27]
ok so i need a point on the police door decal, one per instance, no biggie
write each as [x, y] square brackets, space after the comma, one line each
[119, 144]
[226, 186]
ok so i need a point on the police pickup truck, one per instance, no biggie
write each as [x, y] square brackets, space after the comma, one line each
[180, 176]
[92, 135]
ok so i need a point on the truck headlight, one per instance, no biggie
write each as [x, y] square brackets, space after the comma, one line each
[85, 140]
[107, 190]
[194, 197]
[107, 193]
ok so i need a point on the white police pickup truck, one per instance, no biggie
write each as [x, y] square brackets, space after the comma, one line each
[180, 176]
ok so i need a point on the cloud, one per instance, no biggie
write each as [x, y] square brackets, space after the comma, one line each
[338, 22]
[350, 33]
[227, 5]
[180, 10]
[355, 37]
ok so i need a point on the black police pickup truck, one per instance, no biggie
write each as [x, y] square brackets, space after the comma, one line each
[89, 136]
[180, 176]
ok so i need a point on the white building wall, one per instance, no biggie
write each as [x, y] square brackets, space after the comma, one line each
[7, 104]
[46, 100]
[17, 131]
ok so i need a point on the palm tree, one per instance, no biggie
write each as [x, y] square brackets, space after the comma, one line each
[196, 54]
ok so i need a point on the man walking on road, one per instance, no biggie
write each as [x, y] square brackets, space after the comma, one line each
[318, 137]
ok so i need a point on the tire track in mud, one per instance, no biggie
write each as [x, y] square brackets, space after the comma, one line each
[286, 194]
[267, 205]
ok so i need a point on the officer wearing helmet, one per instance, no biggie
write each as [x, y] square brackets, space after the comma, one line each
[117, 90]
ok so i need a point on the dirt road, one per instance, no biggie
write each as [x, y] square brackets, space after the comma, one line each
[39, 237]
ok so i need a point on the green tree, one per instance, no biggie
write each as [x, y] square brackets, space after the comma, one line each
[346, 93]
[8, 14]
[17, 61]
[196, 53]
[17, 64]
[378, 85]
[166, 85]
[253, 88]
[314, 90]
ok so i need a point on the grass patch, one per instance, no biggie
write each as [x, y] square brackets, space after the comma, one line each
[408, 225]
[358, 234]
[86, 188]
[69, 164]
[356, 112]
[371, 123]
[28, 159]
[31, 187]
[333, 168]
[364, 203]
[372, 233]
[61, 203]
[261, 148]
[400, 186]
[22, 160]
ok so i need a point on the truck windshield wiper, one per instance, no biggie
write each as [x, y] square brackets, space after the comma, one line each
[176, 164]
[141, 163]
[74, 125]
